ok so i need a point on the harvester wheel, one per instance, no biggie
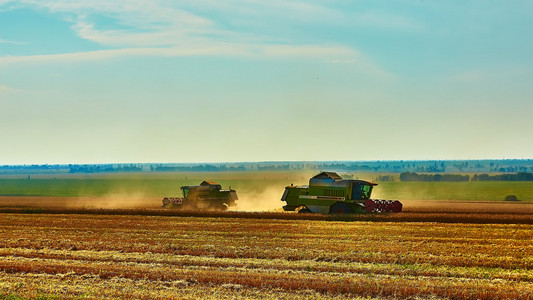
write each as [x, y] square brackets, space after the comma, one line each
[340, 208]
[304, 210]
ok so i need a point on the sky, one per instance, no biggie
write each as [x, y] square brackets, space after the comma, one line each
[133, 81]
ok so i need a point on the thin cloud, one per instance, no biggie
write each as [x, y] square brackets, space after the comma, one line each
[160, 23]
[4, 89]
[194, 28]
[127, 38]
[3, 41]
[220, 49]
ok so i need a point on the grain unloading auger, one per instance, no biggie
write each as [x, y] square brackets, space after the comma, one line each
[328, 193]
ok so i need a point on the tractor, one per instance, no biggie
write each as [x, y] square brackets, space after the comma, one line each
[329, 193]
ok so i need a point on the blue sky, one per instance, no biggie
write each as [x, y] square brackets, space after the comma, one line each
[244, 80]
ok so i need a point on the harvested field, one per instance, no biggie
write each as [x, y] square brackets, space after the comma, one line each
[443, 206]
[131, 256]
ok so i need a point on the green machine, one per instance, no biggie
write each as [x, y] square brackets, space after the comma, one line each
[328, 193]
[208, 195]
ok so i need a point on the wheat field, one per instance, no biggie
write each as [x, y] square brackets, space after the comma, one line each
[131, 256]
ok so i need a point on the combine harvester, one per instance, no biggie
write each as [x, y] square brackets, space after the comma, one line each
[328, 193]
[208, 195]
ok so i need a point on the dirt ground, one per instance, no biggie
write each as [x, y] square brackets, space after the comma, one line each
[445, 206]
[108, 202]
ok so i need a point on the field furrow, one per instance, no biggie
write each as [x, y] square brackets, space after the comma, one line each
[279, 258]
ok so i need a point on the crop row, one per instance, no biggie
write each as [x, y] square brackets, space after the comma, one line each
[316, 265]
[279, 257]
[323, 282]
[504, 246]
[85, 286]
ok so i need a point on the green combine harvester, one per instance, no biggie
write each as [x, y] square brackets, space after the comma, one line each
[328, 193]
[209, 195]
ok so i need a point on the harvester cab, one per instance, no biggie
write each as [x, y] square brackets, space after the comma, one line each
[329, 193]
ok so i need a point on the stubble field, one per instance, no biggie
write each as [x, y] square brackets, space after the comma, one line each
[100, 256]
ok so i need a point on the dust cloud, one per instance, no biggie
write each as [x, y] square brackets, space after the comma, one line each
[268, 199]
[111, 201]
[116, 201]
[254, 200]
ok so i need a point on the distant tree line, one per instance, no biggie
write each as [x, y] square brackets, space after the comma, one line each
[520, 176]
[443, 167]
[411, 176]
[31, 167]
[104, 168]
[196, 168]
[347, 167]
[273, 167]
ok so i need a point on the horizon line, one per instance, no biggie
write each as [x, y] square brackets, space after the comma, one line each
[266, 161]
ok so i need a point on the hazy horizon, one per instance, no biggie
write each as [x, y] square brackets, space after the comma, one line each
[259, 161]
[249, 81]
